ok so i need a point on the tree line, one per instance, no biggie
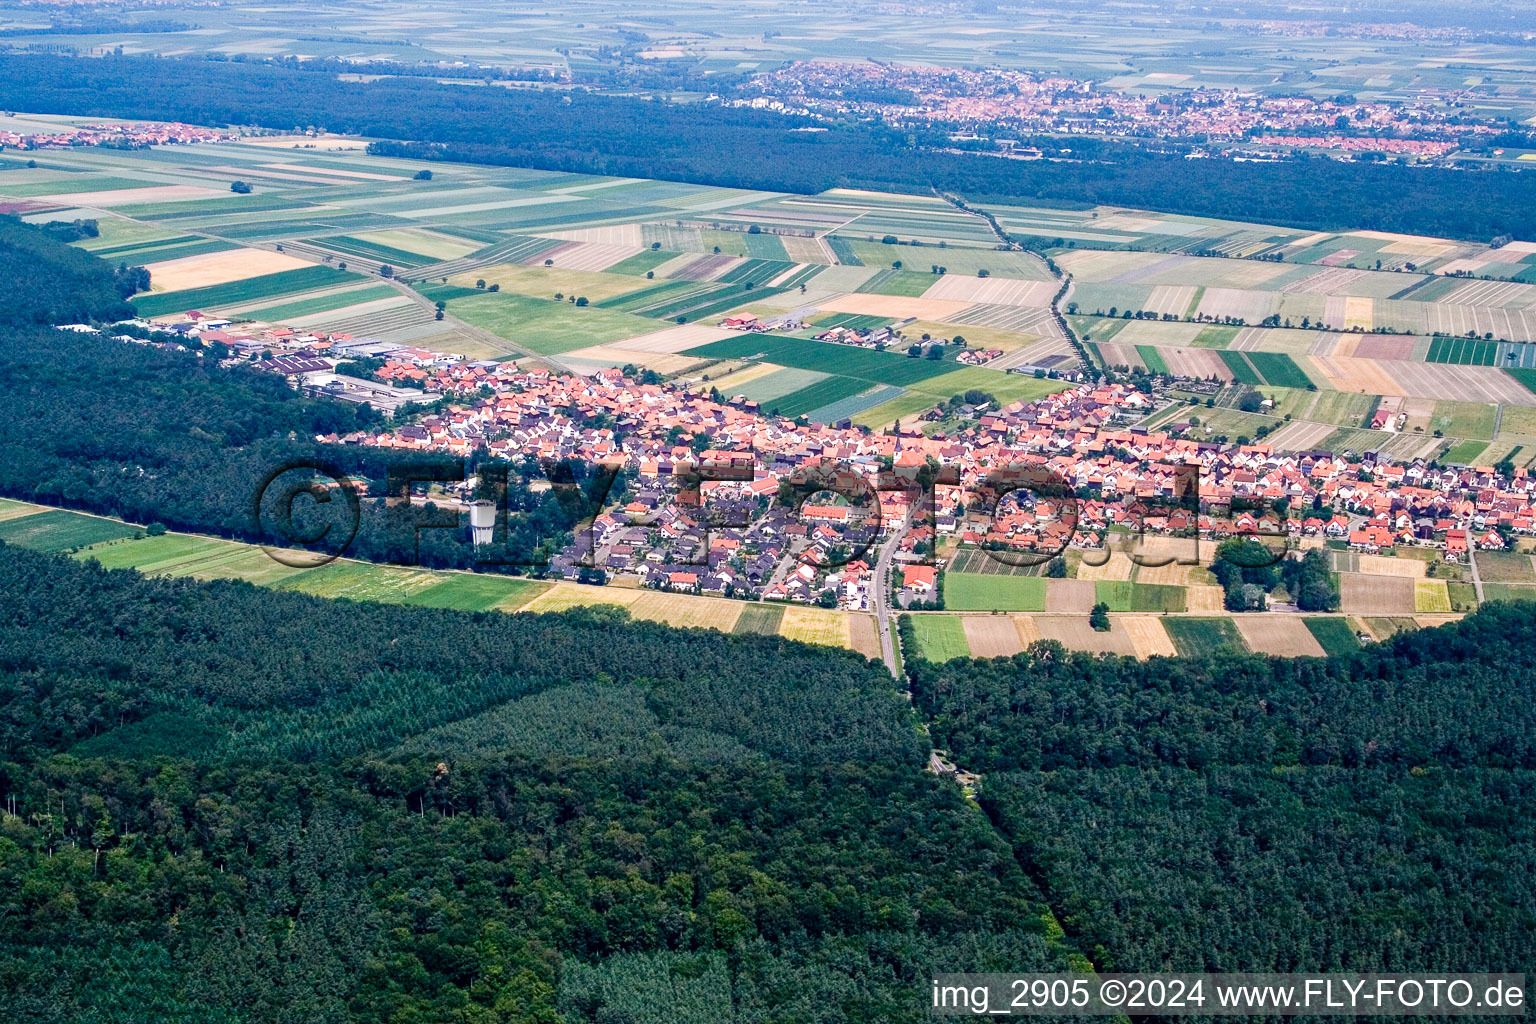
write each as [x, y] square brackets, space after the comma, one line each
[581, 131]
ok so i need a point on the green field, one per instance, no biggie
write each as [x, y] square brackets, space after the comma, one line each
[1278, 369]
[1194, 637]
[319, 304]
[1464, 419]
[476, 592]
[1333, 634]
[988, 592]
[1152, 359]
[302, 279]
[1509, 592]
[814, 396]
[897, 282]
[760, 619]
[939, 637]
[541, 325]
[1139, 597]
[845, 360]
[59, 530]
[1465, 453]
[1462, 351]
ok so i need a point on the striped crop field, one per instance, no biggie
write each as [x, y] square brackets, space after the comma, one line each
[824, 357]
[284, 282]
[1463, 351]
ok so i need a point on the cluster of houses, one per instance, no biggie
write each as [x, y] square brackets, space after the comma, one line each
[404, 375]
[752, 322]
[877, 338]
[731, 537]
[978, 356]
[118, 135]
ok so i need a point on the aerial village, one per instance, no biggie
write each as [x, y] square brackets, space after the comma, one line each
[755, 536]
[128, 135]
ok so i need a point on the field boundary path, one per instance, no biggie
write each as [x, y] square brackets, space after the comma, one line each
[1064, 279]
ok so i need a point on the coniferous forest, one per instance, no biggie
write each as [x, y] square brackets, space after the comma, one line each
[225, 803]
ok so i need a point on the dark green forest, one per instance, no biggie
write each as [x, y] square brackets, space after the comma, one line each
[154, 435]
[48, 282]
[231, 804]
[587, 132]
[171, 437]
[1246, 813]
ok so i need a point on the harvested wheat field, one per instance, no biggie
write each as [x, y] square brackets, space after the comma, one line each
[564, 596]
[686, 610]
[1000, 290]
[1375, 595]
[1380, 565]
[1155, 548]
[1359, 312]
[218, 268]
[628, 235]
[672, 609]
[1070, 596]
[1028, 629]
[807, 250]
[131, 196]
[672, 340]
[1117, 567]
[897, 307]
[814, 626]
[1431, 621]
[1204, 599]
[589, 256]
[1278, 634]
[1074, 633]
[863, 636]
[1148, 637]
[991, 636]
[1364, 376]
[1171, 575]
[331, 143]
[17, 509]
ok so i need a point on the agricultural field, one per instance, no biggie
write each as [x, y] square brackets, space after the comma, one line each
[325, 222]
[325, 219]
[56, 530]
[1333, 634]
[118, 545]
[1194, 637]
[939, 637]
[970, 591]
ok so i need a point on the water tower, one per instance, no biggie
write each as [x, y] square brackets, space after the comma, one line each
[482, 522]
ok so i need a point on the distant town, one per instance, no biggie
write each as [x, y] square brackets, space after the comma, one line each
[987, 104]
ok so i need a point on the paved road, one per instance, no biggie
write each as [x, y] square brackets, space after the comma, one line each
[882, 598]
